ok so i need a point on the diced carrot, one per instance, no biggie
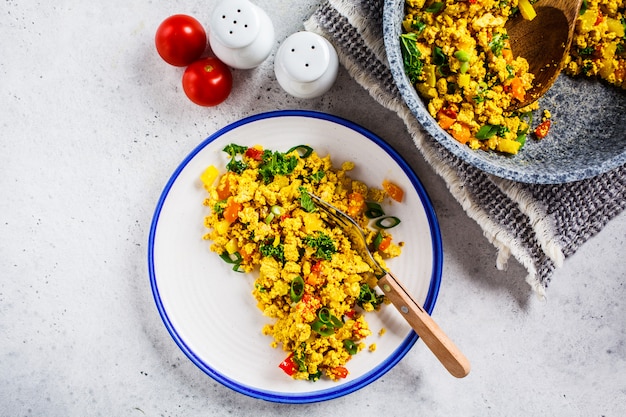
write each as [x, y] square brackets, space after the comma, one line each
[384, 244]
[446, 117]
[394, 191]
[356, 203]
[445, 121]
[462, 133]
[517, 89]
[223, 189]
[231, 212]
[315, 279]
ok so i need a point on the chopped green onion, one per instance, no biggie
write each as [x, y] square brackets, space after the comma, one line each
[378, 240]
[336, 322]
[464, 67]
[436, 7]
[439, 58]
[324, 315]
[326, 323]
[462, 56]
[297, 289]
[277, 210]
[322, 328]
[351, 347]
[486, 132]
[303, 150]
[387, 222]
[234, 259]
[269, 218]
[374, 210]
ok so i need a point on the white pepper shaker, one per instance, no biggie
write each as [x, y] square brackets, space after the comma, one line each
[241, 34]
[306, 65]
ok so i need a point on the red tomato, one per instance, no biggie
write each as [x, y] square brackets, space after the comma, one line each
[207, 82]
[180, 40]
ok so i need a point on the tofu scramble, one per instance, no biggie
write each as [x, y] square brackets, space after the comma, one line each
[599, 45]
[310, 282]
[458, 56]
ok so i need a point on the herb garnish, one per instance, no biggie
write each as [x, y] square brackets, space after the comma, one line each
[235, 165]
[270, 250]
[413, 66]
[498, 43]
[368, 295]
[324, 245]
[306, 202]
[276, 163]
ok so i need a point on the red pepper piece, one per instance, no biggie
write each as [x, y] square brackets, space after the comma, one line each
[254, 153]
[289, 365]
[542, 130]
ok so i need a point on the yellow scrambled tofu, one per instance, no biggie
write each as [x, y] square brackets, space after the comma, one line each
[311, 282]
[458, 56]
[462, 65]
[599, 45]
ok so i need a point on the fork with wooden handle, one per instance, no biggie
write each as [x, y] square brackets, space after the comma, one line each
[426, 328]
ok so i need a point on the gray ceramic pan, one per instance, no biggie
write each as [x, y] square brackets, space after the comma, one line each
[587, 137]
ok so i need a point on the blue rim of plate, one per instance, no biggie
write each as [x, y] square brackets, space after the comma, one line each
[364, 380]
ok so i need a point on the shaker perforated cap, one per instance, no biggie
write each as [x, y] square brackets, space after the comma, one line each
[305, 56]
[236, 23]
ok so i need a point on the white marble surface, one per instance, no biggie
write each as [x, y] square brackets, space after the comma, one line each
[93, 124]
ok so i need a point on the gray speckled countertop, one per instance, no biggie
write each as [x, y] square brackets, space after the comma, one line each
[94, 123]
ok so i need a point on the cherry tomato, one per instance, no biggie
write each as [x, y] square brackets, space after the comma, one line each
[180, 40]
[207, 82]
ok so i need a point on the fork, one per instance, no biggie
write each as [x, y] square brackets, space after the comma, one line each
[426, 328]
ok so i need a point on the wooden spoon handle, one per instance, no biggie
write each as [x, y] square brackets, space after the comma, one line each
[426, 328]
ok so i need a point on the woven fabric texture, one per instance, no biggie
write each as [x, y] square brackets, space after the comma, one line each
[540, 225]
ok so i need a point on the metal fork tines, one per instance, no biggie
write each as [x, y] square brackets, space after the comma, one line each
[338, 218]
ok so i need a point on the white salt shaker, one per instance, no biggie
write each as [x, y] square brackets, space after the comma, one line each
[306, 65]
[241, 34]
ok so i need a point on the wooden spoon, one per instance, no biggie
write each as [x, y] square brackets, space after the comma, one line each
[544, 42]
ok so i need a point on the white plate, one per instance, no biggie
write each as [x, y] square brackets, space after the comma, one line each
[209, 309]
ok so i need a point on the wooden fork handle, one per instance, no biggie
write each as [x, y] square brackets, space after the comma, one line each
[426, 328]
